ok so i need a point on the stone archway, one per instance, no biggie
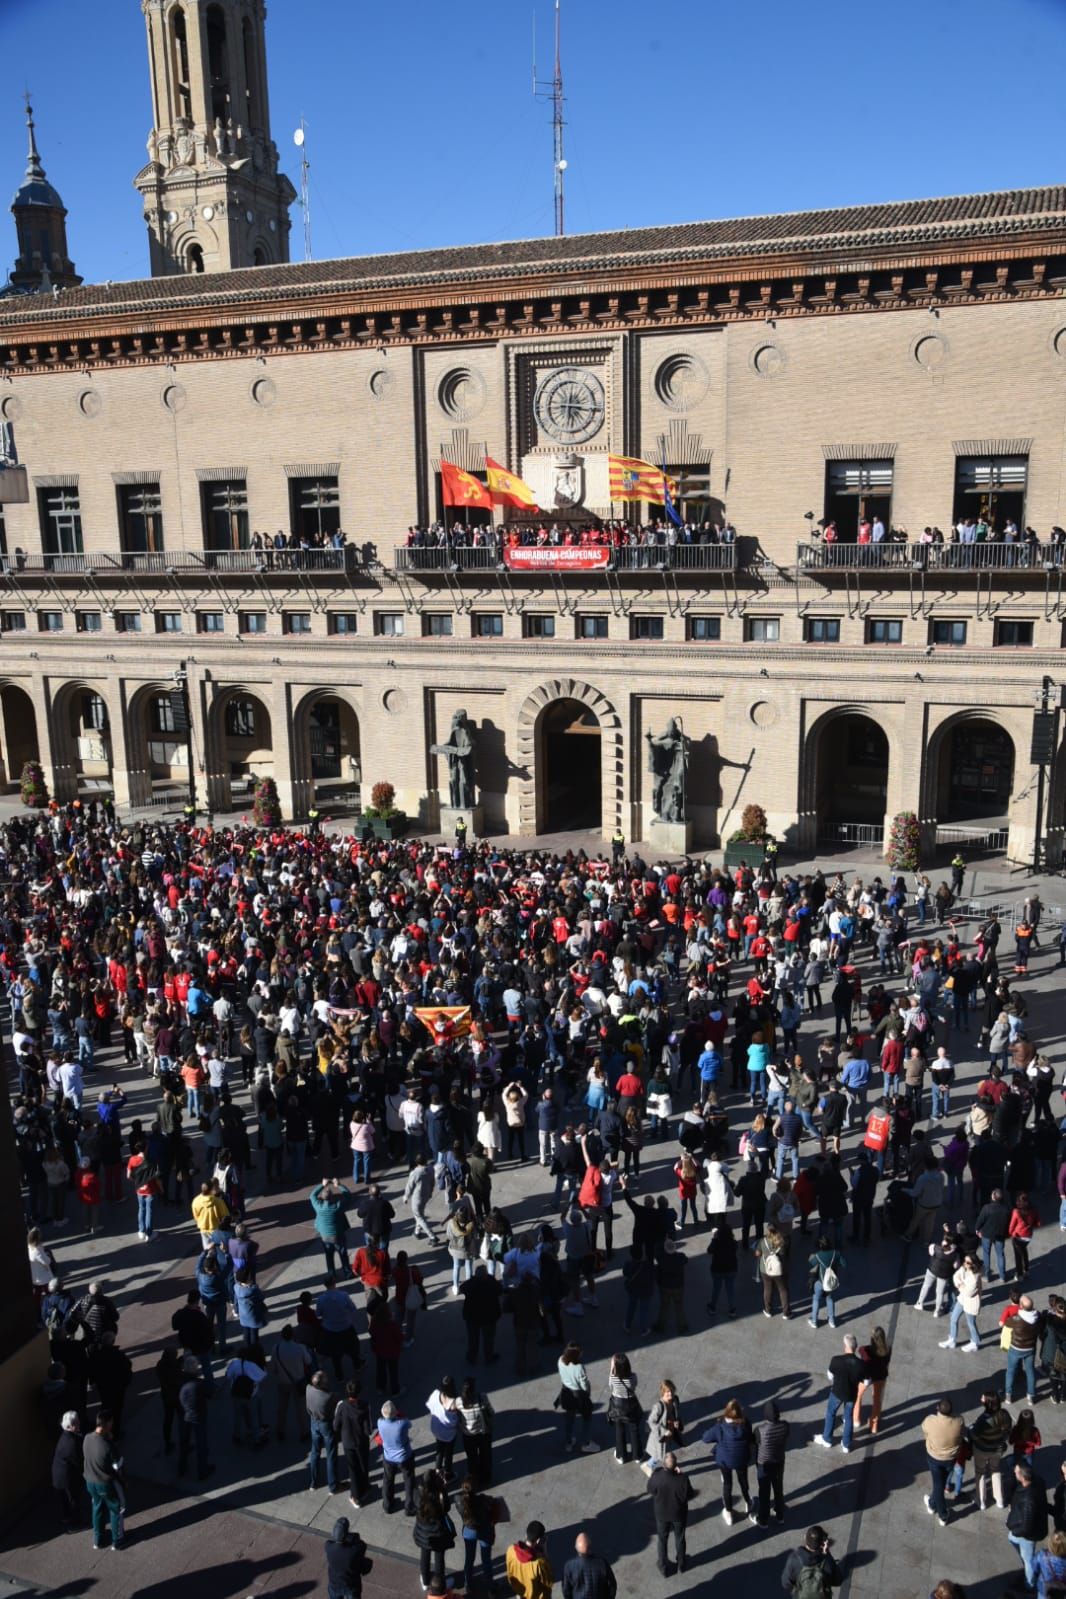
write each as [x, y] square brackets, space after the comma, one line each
[970, 769]
[19, 721]
[157, 746]
[81, 730]
[326, 749]
[588, 702]
[240, 746]
[844, 779]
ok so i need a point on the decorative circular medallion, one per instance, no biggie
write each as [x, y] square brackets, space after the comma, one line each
[763, 714]
[264, 392]
[930, 351]
[768, 360]
[461, 394]
[570, 405]
[174, 397]
[681, 382]
[1058, 342]
[380, 382]
[10, 408]
[394, 701]
[90, 403]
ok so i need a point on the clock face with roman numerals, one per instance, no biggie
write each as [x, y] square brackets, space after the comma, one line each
[569, 405]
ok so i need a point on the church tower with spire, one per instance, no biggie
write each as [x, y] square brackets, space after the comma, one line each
[214, 198]
[41, 221]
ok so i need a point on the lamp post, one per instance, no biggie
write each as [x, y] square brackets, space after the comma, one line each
[181, 683]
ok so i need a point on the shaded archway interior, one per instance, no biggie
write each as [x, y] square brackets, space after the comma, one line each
[20, 730]
[333, 739]
[851, 779]
[570, 767]
[975, 772]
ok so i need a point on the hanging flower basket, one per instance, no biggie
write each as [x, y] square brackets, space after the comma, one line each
[32, 786]
[266, 807]
[904, 842]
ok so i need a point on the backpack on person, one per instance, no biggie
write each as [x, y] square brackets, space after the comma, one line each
[812, 1583]
[830, 1280]
[772, 1266]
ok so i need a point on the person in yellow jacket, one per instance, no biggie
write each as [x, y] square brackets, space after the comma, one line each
[209, 1211]
[529, 1570]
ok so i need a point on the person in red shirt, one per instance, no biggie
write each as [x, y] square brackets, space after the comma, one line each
[372, 1266]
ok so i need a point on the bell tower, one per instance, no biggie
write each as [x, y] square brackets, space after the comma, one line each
[41, 220]
[214, 199]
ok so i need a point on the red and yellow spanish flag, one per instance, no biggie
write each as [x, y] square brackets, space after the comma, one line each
[462, 488]
[506, 489]
[444, 1022]
[632, 479]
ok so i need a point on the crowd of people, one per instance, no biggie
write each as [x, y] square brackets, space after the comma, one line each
[1024, 544]
[441, 1018]
[614, 535]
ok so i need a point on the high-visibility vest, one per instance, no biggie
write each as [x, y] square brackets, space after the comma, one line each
[878, 1131]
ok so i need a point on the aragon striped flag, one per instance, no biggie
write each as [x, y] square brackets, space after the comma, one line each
[632, 479]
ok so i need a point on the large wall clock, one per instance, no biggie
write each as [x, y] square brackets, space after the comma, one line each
[569, 405]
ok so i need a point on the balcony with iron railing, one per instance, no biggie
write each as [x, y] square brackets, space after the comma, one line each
[183, 563]
[958, 559]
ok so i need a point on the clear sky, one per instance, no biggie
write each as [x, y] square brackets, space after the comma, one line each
[423, 130]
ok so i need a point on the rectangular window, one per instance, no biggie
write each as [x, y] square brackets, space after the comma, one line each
[168, 621]
[437, 625]
[821, 629]
[646, 627]
[314, 507]
[857, 494]
[947, 632]
[225, 512]
[166, 752]
[342, 622]
[210, 622]
[140, 518]
[164, 715]
[488, 624]
[94, 714]
[538, 626]
[880, 630]
[50, 621]
[60, 516]
[127, 621]
[990, 489]
[704, 629]
[1013, 634]
[591, 627]
[296, 621]
[251, 622]
[12, 621]
[388, 624]
[240, 718]
[762, 629]
[87, 621]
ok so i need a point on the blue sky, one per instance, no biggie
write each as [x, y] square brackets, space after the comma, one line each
[423, 130]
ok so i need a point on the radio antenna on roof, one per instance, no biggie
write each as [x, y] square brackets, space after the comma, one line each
[552, 89]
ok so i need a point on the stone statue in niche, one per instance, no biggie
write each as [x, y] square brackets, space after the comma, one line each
[668, 765]
[460, 752]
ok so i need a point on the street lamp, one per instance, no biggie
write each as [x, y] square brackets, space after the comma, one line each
[181, 683]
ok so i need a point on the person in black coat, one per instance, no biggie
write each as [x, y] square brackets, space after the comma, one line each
[815, 1552]
[1027, 1518]
[482, 1297]
[434, 1533]
[68, 1472]
[351, 1424]
[346, 1562]
[670, 1493]
[588, 1576]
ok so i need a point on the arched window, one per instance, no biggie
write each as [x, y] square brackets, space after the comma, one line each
[260, 258]
[218, 65]
[180, 52]
[251, 77]
[194, 258]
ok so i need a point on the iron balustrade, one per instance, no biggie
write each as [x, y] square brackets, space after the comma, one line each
[994, 555]
[627, 558]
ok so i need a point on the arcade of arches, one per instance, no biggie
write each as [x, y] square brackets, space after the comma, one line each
[555, 759]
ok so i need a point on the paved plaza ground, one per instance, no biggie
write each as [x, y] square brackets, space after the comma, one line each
[258, 1530]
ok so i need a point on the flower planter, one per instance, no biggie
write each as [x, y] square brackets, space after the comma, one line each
[389, 827]
[746, 850]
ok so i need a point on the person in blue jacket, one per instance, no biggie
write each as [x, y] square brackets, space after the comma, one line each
[732, 1441]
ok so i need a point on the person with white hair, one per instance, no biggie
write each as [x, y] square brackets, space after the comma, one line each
[68, 1472]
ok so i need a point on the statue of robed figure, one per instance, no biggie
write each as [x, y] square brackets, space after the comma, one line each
[668, 765]
[460, 751]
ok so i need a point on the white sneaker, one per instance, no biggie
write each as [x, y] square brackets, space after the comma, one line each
[925, 1502]
[947, 1343]
[823, 1441]
[845, 1449]
[970, 1348]
[455, 1291]
[917, 1307]
[811, 1323]
[590, 1448]
[727, 1517]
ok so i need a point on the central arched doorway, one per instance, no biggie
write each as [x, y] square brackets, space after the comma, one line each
[571, 767]
[975, 773]
[242, 747]
[327, 763]
[851, 780]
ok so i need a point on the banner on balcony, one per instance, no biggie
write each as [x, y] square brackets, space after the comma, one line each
[557, 557]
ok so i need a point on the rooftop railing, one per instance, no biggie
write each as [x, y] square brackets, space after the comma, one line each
[989, 556]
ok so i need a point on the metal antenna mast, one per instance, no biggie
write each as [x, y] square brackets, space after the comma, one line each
[552, 89]
[299, 139]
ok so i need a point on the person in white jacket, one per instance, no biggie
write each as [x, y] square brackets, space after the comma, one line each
[718, 1191]
[968, 1286]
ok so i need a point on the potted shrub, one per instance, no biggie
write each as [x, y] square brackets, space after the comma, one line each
[749, 841]
[904, 842]
[32, 786]
[382, 813]
[266, 807]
